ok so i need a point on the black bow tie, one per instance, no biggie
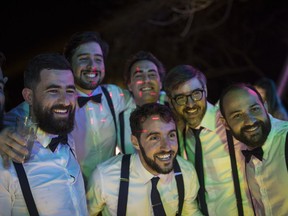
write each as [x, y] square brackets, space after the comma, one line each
[257, 152]
[56, 140]
[83, 100]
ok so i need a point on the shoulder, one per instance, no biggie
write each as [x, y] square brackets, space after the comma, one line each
[112, 165]
[185, 165]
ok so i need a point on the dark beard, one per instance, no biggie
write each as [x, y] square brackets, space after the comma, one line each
[265, 128]
[48, 123]
[153, 165]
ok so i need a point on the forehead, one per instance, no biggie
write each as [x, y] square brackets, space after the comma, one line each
[188, 86]
[89, 48]
[240, 99]
[143, 65]
[56, 77]
[156, 124]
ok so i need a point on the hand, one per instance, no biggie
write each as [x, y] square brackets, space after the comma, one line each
[12, 146]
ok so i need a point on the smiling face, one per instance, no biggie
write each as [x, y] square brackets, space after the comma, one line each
[246, 117]
[145, 83]
[88, 66]
[194, 111]
[53, 101]
[157, 145]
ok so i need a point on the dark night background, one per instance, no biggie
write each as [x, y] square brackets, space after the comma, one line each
[229, 40]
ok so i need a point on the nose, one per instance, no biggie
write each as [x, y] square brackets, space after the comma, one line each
[146, 77]
[92, 64]
[66, 98]
[249, 119]
[190, 101]
[165, 145]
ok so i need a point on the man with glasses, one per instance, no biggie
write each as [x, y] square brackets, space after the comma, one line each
[204, 141]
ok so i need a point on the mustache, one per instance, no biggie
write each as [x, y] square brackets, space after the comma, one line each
[60, 106]
[166, 152]
[256, 124]
[92, 71]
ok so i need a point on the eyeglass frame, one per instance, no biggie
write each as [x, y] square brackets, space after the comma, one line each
[190, 95]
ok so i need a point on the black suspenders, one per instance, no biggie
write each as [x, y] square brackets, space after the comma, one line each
[26, 191]
[286, 151]
[235, 173]
[124, 185]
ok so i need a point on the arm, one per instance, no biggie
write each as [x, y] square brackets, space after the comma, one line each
[190, 206]
[95, 201]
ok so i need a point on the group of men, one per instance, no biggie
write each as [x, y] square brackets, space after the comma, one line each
[70, 102]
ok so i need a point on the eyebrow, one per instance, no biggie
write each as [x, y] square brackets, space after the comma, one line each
[156, 133]
[141, 71]
[82, 54]
[58, 86]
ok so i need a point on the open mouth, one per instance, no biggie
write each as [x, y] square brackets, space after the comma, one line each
[91, 75]
[164, 157]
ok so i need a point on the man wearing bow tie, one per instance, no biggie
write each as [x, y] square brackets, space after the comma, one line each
[97, 113]
[266, 142]
[52, 170]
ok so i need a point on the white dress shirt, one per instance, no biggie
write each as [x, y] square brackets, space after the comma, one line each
[220, 193]
[94, 132]
[55, 180]
[268, 178]
[104, 189]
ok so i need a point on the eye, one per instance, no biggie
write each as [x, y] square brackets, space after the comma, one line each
[172, 135]
[53, 91]
[154, 138]
[256, 109]
[237, 116]
[71, 91]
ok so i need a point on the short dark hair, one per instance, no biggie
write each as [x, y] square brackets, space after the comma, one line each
[2, 59]
[180, 74]
[233, 87]
[79, 38]
[140, 114]
[40, 62]
[142, 55]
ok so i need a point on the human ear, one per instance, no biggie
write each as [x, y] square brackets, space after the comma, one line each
[135, 142]
[27, 95]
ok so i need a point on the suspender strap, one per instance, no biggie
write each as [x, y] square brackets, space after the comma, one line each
[235, 173]
[26, 191]
[286, 151]
[122, 132]
[111, 106]
[110, 103]
[180, 186]
[124, 185]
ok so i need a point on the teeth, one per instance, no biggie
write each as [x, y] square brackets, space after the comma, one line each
[60, 111]
[191, 110]
[252, 129]
[90, 75]
[146, 89]
[164, 157]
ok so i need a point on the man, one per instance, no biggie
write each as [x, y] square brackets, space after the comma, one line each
[53, 174]
[3, 81]
[204, 141]
[143, 76]
[266, 142]
[155, 140]
[95, 118]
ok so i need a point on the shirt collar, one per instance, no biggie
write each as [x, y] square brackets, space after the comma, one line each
[95, 91]
[146, 176]
[45, 138]
[209, 119]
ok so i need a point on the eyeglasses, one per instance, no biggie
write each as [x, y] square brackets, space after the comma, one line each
[195, 95]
